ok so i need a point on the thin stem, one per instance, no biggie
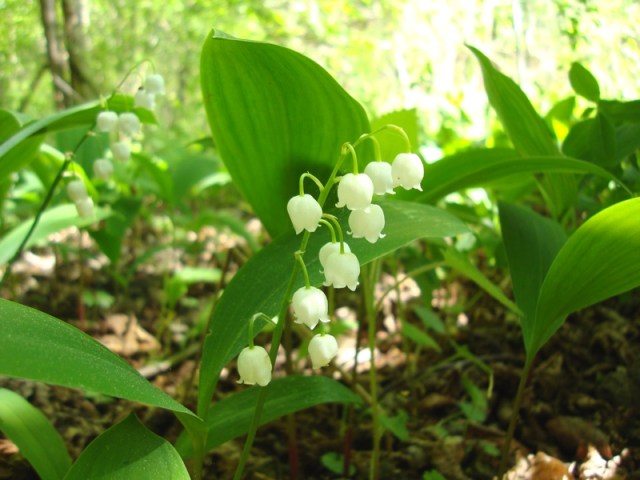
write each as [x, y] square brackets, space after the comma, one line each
[338, 228]
[377, 157]
[333, 232]
[300, 261]
[348, 147]
[524, 376]
[312, 177]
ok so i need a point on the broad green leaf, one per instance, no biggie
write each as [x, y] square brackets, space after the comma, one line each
[231, 417]
[261, 284]
[274, 114]
[478, 168]
[600, 260]
[593, 140]
[52, 221]
[619, 111]
[128, 451]
[109, 238]
[37, 346]
[531, 242]
[527, 130]
[38, 441]
[583, 82]
[23, 153]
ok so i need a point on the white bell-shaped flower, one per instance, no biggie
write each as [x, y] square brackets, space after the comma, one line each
[254, 366]
[129, 124]
[121, 151]
[144, 99]
[154, 84]
[407, 171]
[342, 270]
[322, 349]
[329, 248]
[76, 190]
[310, 306]
[84, 206]
[305, 213]
[103, 169]
[355, 191]
[380, 175]
[367, 223]
[107, 121]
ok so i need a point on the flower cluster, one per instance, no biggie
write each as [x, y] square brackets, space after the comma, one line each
[77, 192]
[340, 266]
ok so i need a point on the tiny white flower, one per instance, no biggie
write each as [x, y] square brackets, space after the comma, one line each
[254, 366]
[121, 151]
[355, 191]
[144, 99]
[76, 190]
[84, 206]
[342, 270]
[407, 170]
[310, 306]
[322, 349]
[305, 212]
[107, 121]
[103, 169]
[129, 124]
[367, 223]
[329, 248]
[380, 175]
[154, 84]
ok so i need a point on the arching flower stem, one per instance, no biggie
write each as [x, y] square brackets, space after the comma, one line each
[312, 177]
[331, 229]
[338, 227]
[300, 260]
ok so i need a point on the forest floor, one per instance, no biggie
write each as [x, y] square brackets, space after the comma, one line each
[579, 419]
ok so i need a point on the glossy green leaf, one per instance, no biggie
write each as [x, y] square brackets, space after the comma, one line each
[527, 130]
[37, 346]
[478, 168]
[593, 140]
[231, 417]
[10, 124]
[531, 242]
[621, 111]
[128, 451]
[583, 82]
[52, 221]
[274, 114]
[33, 434]
[261, 284]
[600, 260]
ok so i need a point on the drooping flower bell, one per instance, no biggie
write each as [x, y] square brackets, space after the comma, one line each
[342, 270]
[355, 191]
[367, 223]
[107, 121]
[128, 124]
[154, 84]
[102, 169]
[407, 171]
[144, 99]
[84, 206]
[305, 213]
[77, 190]
[322, 349]
[121, 151]
[254, 366]
[380, 175]
[329, 248]
[310, 306]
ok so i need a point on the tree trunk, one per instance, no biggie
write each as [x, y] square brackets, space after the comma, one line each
[77, 46]
[62, 91]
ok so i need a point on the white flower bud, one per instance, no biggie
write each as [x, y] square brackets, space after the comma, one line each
[322, 349]
[84, 206]
[355, 191]
[154, 84]
[342, 270]
[102, 169]
[310, 306]
[129, 124]
[76, 190]
[407, 170]
[305, 213]
[144, 99]
[254, 366]
[107, 121]
[380, 175]
[329, 248]
[367, 223]
[121, 151]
